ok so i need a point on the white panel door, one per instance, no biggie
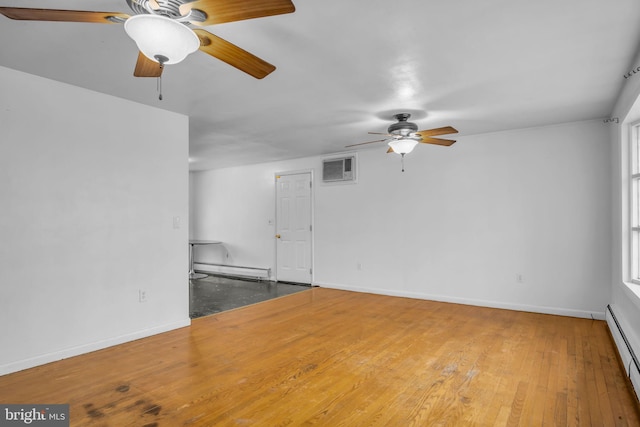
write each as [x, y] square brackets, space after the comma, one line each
[293, 228]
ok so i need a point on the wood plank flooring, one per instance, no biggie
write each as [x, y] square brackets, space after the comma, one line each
[334, 358]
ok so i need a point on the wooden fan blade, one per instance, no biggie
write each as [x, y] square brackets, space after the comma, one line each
[61, 15]
[221, 11]
[437, 141]
[390, 150]
[233, 55]
[379, 133]
[363, 143]
[438, 131]
[145, 67]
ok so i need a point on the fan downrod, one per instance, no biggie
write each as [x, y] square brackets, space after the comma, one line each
[402, 117]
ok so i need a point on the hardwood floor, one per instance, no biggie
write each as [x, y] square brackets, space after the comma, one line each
[334, 358]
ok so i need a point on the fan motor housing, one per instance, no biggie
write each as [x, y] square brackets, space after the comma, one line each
[403, 127]
[167, 8]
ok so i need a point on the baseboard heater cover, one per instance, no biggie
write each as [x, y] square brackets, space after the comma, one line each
[625, 350]
[233, 270]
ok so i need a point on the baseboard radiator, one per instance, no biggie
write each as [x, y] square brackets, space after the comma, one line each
[259, 273]
[625, 349]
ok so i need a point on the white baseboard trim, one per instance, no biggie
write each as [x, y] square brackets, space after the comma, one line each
[88, 348]
[469, 301]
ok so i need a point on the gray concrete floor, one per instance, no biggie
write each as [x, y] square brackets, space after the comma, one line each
[214, 294]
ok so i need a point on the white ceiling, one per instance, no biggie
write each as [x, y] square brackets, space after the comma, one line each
[344, 67]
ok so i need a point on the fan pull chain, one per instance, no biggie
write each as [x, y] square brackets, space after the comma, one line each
[402, 161]
[161, 60]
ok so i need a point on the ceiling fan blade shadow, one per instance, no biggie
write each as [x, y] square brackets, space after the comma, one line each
[233, 55]
[379, 133]
[146, 67]
[363, 143]
[437, 131]
[26, 14]
[438, 141]
[221, 11]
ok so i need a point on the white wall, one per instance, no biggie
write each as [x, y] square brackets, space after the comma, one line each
[459, 225]
[89, 186]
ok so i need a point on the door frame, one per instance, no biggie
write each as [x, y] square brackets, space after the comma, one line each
[312, 219]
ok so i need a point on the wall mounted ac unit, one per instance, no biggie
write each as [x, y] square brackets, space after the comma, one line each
[339, 169]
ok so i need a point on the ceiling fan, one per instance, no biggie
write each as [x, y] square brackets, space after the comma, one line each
[403, 136]
[175, 19]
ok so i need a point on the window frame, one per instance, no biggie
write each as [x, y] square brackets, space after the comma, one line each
[634, 203]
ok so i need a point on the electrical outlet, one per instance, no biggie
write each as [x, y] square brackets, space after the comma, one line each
[142, 295]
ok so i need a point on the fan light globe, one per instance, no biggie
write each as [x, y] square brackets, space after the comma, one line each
[403, 145]
[161, 37]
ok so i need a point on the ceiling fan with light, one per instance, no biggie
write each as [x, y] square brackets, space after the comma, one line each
[403, 136]
[163, 31]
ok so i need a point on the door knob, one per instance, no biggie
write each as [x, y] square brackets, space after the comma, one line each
[277, 236]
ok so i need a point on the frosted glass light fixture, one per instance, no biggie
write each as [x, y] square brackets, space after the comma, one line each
[161, 39]
[403, 145]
